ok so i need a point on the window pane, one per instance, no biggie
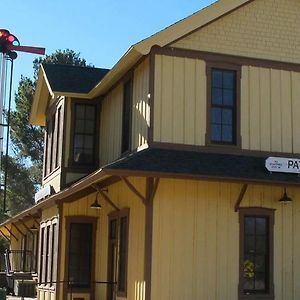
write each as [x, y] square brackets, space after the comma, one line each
[216, 133]
[79, 127]
[260, 244]
[80, 251]
[79, 111]
[249, 225]
[216, 115]
[217, 78]
[89, 142]
[223, 97]
[78, 140]
[228, 79]
[249, 244]
[227, 133]
[216, 96]
[84, 138]
[261, 226]
[228, 97]
[89, 127]
[227, 116]
[123, 254]
[90, 112]
[260, 281]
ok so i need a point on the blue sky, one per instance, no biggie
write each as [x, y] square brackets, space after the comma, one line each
[101, 30]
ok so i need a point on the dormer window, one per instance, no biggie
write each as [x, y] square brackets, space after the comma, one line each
[84, 134]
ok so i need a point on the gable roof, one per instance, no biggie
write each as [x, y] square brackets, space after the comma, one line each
[72, 79]
[136, 52]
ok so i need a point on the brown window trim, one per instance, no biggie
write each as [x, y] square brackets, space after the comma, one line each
[71, 162]
[47, 265]
[128, 79]
[264, 212]
[231, 67]
[80, 219]
[117, 215]
[53, 144]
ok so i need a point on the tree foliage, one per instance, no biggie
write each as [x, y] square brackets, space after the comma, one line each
[27, 140]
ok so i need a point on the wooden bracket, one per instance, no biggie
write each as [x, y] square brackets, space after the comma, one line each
[105, 196]
[18, 229]
[4, 235]
[133, 189]
[34, 219]
[11, 233]
[25, 226]
[240, 197]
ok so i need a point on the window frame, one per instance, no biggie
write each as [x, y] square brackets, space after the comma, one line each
[53, 138]
[118, 215]
[128, 79]
[95, 161]
[210, 66]
[84, 220]
[257, 212]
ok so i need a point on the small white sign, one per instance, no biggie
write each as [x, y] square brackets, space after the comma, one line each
[282, 164]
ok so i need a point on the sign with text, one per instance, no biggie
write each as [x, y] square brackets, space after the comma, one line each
[282, 164]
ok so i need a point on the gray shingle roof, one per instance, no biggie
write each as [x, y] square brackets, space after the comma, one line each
[73, 79]
[200, 164]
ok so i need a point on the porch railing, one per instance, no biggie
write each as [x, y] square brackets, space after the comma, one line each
[20, 261]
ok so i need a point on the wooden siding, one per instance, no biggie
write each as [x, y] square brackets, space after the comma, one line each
[111, 116]
[269, 106]
[123, 197]
[179, 100]
[196, 240]
[111, 125]
[267, 29]
[140, 105]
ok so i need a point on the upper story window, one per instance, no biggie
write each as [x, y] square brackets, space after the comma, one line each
[53, 139]
[256, 253]
[223, 106]
[84, 133]
[126, 121]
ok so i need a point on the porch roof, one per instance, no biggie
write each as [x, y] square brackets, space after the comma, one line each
[199, 165]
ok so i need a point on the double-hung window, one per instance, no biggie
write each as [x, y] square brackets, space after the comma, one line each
[84, 134]
[223, 105]
[256, 253]
[118, 252]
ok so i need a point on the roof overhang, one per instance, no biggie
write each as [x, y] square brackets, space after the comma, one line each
[132, 56]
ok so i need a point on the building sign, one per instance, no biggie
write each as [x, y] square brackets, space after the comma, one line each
[282, 164]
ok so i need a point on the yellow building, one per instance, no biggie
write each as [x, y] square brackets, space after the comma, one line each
[190, 145]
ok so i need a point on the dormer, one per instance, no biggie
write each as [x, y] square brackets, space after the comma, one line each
[71, 122]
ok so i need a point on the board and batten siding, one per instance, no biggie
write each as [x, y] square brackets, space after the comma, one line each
[140, 103]
[196, 240]
[123, 197]
[270, 100]
[267, 29]
[179, 100]
[111, 115]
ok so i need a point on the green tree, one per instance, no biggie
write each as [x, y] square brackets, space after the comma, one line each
[27, 140]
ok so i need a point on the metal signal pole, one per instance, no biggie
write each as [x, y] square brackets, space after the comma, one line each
[8, 45]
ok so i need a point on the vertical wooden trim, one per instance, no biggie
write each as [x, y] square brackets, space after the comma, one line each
[58, 262]
[148, 236]
[151, 91]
